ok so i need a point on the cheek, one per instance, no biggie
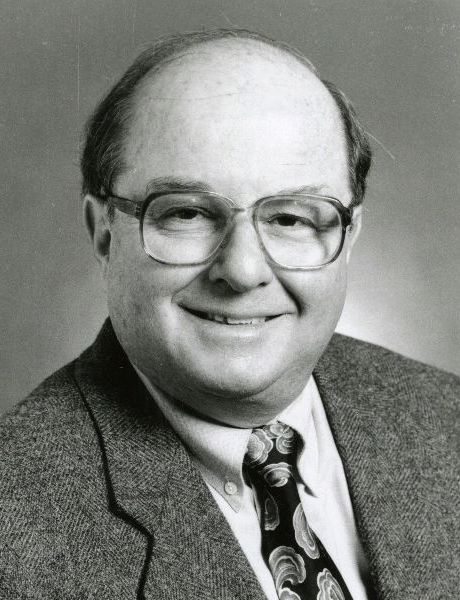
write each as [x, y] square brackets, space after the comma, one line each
[321, 293]
[135, 295]
[124, 290]
[140, 290]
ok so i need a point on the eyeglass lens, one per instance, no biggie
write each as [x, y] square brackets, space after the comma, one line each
[296, 231]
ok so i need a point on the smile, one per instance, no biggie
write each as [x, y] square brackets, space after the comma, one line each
[226, 320]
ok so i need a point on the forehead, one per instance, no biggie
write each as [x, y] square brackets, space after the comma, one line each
[250, 108]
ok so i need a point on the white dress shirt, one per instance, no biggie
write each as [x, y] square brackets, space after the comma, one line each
[218, 451]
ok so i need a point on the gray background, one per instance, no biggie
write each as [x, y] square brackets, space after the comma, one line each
[396, 59]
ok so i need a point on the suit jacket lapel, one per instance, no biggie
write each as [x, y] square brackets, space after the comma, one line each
[369, 406]
[152, 484]
[195, 545]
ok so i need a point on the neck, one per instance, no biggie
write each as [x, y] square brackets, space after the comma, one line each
[233, 409]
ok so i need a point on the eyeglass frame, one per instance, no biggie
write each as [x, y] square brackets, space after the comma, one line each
[138, 209]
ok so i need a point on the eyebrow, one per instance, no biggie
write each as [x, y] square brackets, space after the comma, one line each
[164, 184]
[167, 183]
[304, 189]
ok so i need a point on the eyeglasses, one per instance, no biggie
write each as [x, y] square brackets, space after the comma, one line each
[296, 231]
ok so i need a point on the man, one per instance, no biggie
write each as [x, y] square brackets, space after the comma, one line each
[215, 442]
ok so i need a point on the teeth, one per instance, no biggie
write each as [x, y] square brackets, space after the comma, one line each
[218, 318]
[244, 321]
[229, 321]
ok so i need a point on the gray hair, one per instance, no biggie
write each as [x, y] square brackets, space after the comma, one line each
[102, 157]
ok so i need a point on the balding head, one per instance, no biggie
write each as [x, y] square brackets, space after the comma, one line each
[103, 156]
[240, 101]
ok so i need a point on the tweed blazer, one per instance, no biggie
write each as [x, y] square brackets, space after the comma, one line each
[99, 498]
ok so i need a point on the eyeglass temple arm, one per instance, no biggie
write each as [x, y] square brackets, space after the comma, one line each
[348, 216]
[129, 207]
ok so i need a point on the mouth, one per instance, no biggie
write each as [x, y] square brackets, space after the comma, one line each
[227, 320]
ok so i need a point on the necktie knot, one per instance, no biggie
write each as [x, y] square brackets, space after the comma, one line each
[272, 445]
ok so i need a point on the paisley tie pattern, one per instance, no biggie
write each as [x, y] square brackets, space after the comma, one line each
[300, 565]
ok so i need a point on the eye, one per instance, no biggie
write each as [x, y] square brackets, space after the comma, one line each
[187, 214]
[182, 219]
[179, 214]
[290, 220]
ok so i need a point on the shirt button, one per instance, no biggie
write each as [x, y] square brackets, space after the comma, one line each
[230, 488]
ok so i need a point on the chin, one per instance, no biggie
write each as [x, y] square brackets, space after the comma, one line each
[235, 387]
[234, 378]
[240, 398]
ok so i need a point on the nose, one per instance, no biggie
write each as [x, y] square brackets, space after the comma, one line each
[241, 262]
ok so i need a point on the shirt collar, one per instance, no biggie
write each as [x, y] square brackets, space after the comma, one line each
[217, 449]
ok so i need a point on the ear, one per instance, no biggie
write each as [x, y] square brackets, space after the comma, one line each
[354, 229]
[97, 223]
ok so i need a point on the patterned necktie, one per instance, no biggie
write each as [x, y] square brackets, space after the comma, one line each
[300, 565]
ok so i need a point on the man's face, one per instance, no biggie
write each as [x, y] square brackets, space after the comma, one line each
[249, 123]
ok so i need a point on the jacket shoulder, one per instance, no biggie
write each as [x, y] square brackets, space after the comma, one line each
[47, 444]
[363, 367]
[377, 359]
[44, 415]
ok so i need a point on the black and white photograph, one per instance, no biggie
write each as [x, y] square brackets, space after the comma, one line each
[230, 300]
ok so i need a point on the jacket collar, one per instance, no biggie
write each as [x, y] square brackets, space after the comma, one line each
[152, 483]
